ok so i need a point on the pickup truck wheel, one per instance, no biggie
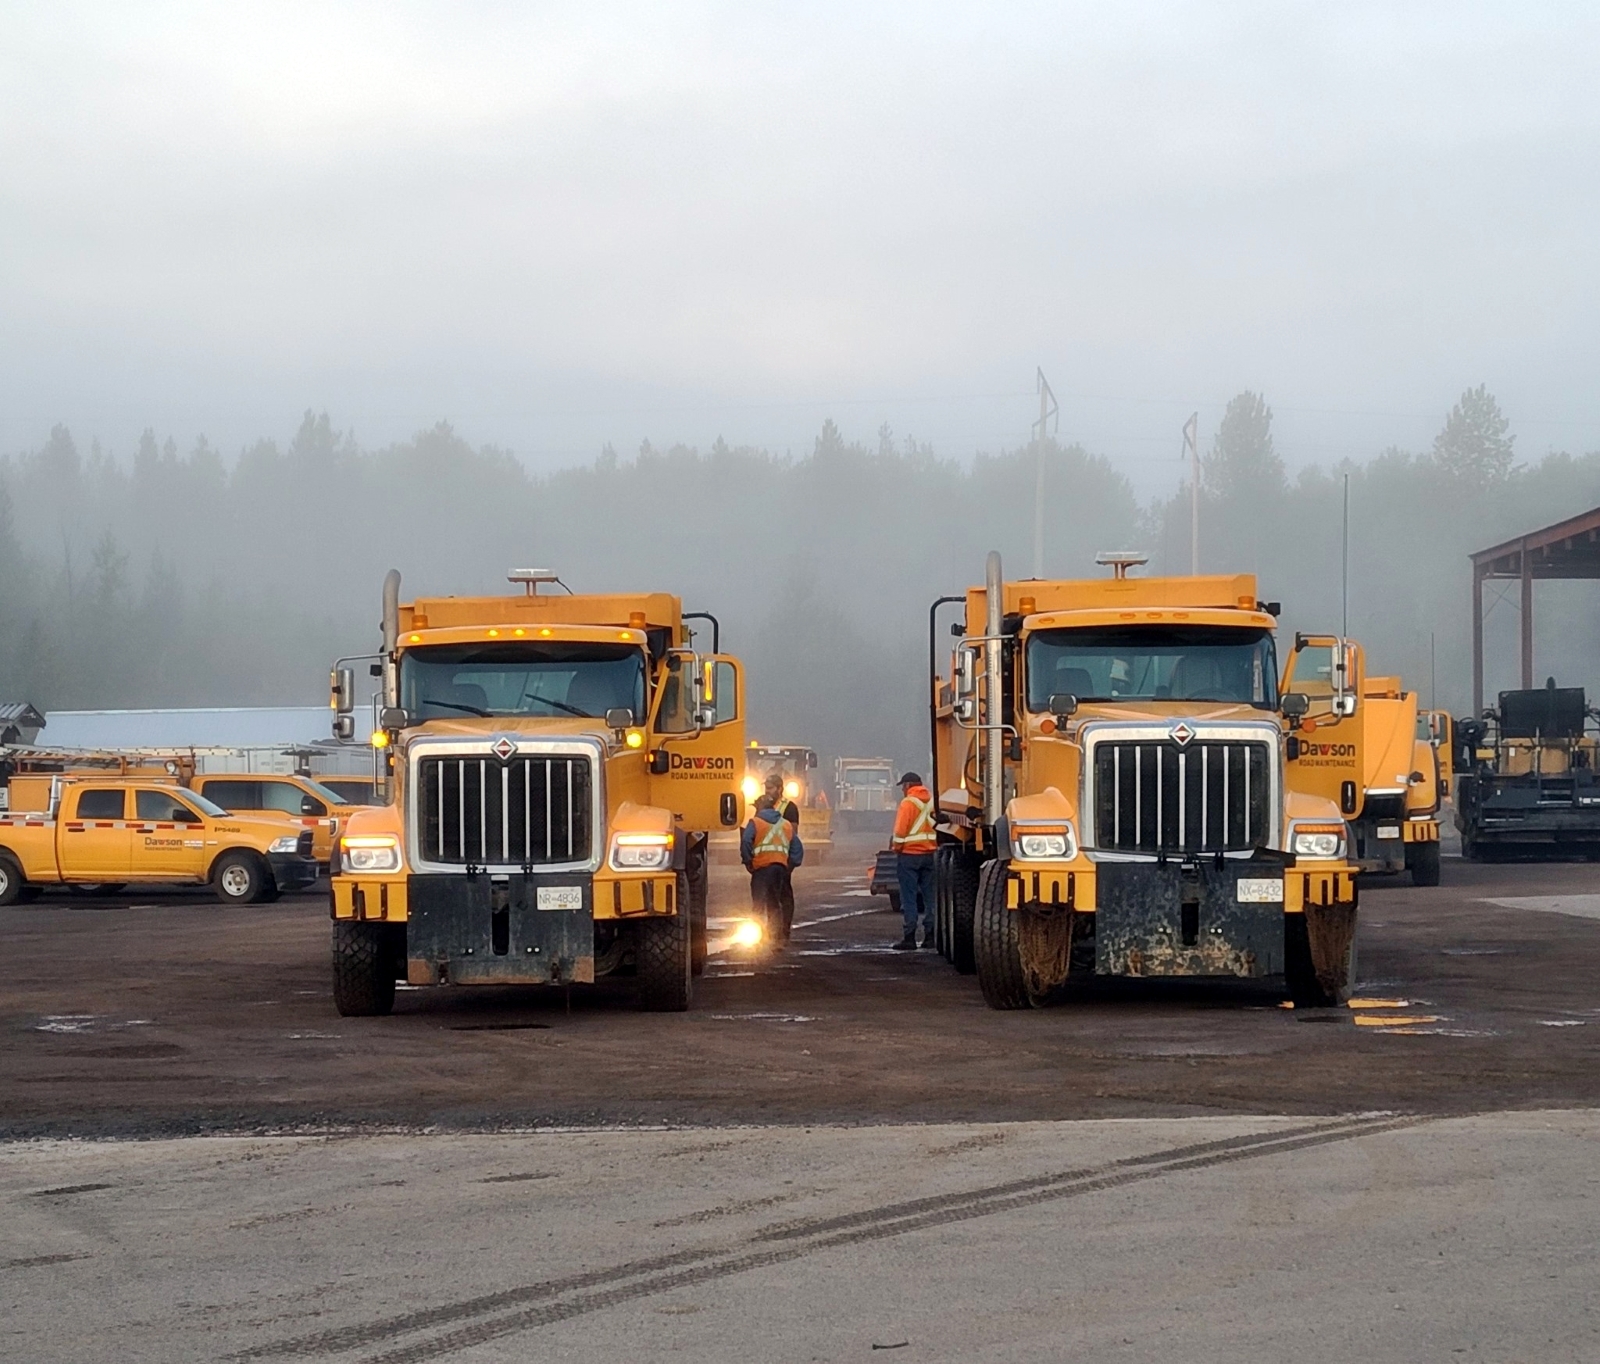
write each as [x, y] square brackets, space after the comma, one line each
[1424, 860]
[363, 969]
[996, 952]
[240, 878]
[663, 956]
[11, 883]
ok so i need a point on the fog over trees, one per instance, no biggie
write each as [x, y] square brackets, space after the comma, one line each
[177, 576]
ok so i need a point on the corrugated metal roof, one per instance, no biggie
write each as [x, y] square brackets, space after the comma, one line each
[223, 727]
[20, 712]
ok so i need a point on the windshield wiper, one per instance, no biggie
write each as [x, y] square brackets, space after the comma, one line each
[561, 705]
[457, 705]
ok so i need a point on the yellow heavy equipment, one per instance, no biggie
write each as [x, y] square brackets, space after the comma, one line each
[555, 764]
[1115, 796]
[1360, 744]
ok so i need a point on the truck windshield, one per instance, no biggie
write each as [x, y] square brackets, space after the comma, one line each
[1153, 663]
[454, 680]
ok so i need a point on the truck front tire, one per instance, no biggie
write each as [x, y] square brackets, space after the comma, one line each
[363, 969]
[663, 958]
[240, 878]
[1424, 861]
[997, 956]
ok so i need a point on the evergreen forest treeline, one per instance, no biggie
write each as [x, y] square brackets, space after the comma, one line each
[178, 577]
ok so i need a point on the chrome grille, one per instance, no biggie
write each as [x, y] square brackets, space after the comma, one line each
[1203, 796]
[529, 811]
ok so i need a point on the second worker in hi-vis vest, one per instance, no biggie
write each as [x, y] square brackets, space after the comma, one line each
[770, 849]
[914, 840]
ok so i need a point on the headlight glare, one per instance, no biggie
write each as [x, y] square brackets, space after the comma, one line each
[1054, 846]
[372, 853]
[1318, 840]
[641, 852]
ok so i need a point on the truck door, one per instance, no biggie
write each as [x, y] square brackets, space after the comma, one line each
[169, 838]
[93, 835]
[695, 769]
[1329, 672]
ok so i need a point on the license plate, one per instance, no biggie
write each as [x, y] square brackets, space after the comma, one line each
[1388, 831]
[560, 897]
[1260, 890]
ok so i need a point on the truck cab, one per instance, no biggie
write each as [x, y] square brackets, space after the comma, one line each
[1361, 745]
[866, 797]
[1116, 799]
[293, 801]
[554, 766]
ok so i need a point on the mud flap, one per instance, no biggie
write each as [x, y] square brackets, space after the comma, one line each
[1330, 933]
[485, 930]
[1187, 919]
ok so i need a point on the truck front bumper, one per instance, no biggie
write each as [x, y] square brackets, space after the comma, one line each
[536, 928]
[1184, 919]
[291, 872]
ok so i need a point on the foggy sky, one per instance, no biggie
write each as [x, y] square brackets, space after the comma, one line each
[567, 224]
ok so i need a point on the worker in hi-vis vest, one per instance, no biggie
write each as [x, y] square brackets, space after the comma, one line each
[915, 842]
[770, 847]
[788, 810]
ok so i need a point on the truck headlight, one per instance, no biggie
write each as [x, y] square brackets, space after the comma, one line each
[287, 844]
[641, 852]
[375, 852]
[1317, 840]
[1056, 845]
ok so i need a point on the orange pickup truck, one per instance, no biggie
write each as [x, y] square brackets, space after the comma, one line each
[104, 831]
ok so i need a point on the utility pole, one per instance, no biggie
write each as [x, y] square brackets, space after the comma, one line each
[1048, 408]
[1344, 568]
[1191, 446]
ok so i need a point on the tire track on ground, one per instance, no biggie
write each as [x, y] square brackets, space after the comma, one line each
[485, 1317]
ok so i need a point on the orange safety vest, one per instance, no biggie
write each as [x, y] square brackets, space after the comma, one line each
[919, 835]
[772, 846]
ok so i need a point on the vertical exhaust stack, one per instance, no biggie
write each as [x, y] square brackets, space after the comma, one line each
[391, 636]
[993, 709]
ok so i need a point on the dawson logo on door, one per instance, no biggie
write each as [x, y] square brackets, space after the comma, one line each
[699, 766]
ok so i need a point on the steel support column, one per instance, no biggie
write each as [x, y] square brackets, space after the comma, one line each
[1527, 619]
[1477, 640]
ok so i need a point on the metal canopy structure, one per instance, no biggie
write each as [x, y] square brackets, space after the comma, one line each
[1568, 549]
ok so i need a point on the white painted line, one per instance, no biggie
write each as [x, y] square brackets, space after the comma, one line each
[1578, 906]
[831, 918]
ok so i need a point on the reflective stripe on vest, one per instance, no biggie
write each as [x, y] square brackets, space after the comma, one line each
[773, 845]
[921, 830]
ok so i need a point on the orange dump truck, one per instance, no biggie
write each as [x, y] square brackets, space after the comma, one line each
[1115, 795]
[556, 763]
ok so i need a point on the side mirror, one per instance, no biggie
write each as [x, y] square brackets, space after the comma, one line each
[310, 805]
[1293, 705]
[660, 763]
[619, 717]
[344, 728]
[811, 759]
[342, 689]
[966, 672]
[394, 717]
[1063, 704]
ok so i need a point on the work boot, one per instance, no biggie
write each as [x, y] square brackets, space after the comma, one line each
[907, 943]
[927, 937]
